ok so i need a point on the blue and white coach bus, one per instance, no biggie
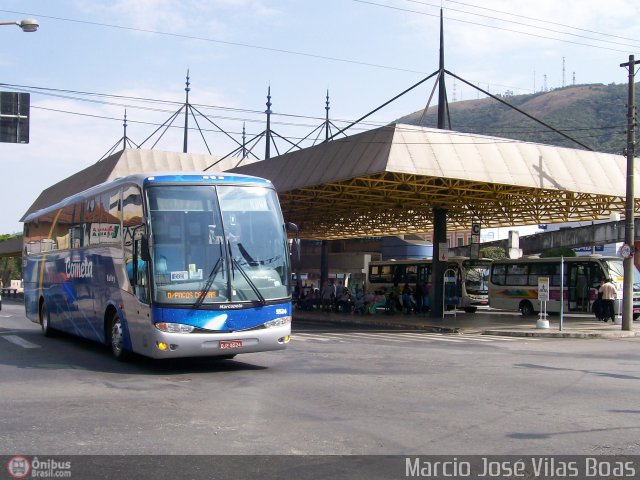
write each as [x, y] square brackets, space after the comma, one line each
[165, 265]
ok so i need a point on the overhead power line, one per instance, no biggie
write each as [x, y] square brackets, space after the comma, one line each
[550, 22]
[79, 95]
[452, 19]
[214, 40]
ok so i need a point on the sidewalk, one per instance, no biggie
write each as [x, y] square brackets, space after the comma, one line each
[486, 322]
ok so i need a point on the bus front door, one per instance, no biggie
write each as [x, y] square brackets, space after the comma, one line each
[578, 287]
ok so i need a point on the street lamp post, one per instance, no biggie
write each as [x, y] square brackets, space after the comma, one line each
[629, 240]
[27, 25]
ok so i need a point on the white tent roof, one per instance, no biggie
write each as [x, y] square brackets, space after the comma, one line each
[388, 180]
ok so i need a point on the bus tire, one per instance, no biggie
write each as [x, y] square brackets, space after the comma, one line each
[526, 308]
[471, 309]
[116, 339]
[45, 321]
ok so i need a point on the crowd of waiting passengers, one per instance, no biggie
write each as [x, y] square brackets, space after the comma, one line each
[336, 298]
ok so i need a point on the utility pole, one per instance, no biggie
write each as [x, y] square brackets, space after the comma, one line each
[267, 148]
[124, 138]
[186, 116]
[629, 241]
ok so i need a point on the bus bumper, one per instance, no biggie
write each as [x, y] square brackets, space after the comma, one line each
[175, 345]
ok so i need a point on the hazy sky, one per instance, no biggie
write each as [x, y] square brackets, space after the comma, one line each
[130, 52]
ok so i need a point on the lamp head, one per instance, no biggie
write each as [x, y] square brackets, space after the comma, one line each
[29, 25]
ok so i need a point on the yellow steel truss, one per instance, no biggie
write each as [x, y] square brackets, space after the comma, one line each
[392, 203]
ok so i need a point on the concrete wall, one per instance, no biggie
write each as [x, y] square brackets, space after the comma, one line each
[598, 234]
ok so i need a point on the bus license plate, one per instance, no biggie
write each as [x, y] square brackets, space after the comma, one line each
[229, 344]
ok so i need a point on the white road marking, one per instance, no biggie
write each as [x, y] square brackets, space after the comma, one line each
[401, 337]
[21, 342]
[377, 336]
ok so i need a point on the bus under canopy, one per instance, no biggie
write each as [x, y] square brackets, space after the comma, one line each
[513, 284]
[466, 283]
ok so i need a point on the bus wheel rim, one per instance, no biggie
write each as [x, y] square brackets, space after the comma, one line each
[116, 336]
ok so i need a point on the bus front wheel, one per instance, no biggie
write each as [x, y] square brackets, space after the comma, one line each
[526, 308]
[45, 322]
[116, 339]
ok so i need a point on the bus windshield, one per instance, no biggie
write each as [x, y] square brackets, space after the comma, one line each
[217, 244]
[615, 271]
[477, 276]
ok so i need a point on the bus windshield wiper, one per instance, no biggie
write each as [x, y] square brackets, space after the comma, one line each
[249, 281]
[207, 285]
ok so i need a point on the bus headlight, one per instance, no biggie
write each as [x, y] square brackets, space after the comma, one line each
[174, 327]
[278, 322]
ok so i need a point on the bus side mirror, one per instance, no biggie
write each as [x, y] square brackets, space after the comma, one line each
[144, 249]
[291, 227]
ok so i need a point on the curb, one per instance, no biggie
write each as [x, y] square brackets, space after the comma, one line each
[533, 333]
[382, 324]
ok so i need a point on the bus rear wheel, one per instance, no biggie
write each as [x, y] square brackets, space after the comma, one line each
[116, 339]
[526, 308]
[45, 322]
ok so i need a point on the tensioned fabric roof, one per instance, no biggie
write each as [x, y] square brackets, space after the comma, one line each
[388, 180]
[127, 162]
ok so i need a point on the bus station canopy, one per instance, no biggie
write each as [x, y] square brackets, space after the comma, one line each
[387, 181]
[123, 163]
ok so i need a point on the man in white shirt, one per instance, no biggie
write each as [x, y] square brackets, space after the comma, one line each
[608, 291]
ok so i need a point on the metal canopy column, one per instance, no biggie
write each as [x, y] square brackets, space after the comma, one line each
[439, 214]
[437, 272]
[324, 252]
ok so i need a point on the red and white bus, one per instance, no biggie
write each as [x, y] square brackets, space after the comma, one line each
[513, 284]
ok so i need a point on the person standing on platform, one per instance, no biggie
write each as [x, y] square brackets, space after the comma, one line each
[608, 291]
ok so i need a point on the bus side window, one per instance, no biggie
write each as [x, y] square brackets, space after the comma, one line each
[498, 274]
[517, 274]
[133, 232]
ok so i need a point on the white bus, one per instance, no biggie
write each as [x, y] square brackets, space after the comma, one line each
[467, 284]
[513, 284]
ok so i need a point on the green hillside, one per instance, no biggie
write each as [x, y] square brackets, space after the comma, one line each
[595, 115]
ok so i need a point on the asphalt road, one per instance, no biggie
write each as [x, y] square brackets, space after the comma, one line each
[334, 391]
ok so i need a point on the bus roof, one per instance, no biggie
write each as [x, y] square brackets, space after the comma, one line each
[537, 259]
[150, 178]
[407, 261]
